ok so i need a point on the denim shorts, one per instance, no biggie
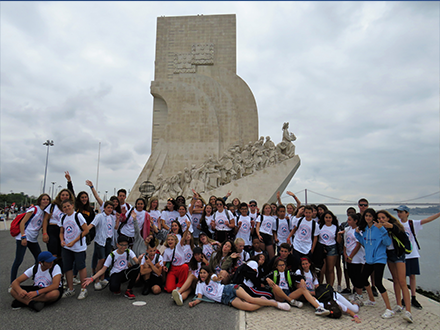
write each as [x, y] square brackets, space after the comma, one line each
[392, 257]
[229, 294]
[332, 250]
[103, 251]
[286, 291]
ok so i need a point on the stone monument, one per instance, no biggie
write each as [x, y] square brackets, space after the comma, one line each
[205, 119]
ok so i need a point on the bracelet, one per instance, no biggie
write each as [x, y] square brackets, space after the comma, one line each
[44, 234]
[91, 187]
[38, 293]
[355, 315]
[23, 237]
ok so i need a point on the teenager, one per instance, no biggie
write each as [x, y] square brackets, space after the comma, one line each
[265, 229]
[151, 271]
[412, 228]
[122, 269]
[30, 226]
[46, 288]
[223, 221]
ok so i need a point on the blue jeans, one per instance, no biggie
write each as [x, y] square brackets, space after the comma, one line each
[20, 251]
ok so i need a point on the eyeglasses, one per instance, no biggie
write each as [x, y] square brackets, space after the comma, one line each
[363, 205]
[219, 204]
[123, 245]
[282, 265]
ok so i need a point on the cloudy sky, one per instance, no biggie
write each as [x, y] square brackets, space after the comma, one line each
[358, 82]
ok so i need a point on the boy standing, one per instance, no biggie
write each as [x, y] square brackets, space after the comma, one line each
[306, 235]
[412, 228]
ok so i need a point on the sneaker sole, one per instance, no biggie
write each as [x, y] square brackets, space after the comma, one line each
[129, 298]
[176, 298]
[323, 313]
[408, 319]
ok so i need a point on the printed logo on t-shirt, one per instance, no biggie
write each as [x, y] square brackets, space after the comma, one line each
[245, 227]
[283, 284]
[217, 269]
[325, 237]
[42, 281]
[70, 232]
[221, 221]
[304, 232]
[309, 285]
[268, 226]
[122, 263]
[284, 229]
[211, 290]
[188, 256]
[348, 241]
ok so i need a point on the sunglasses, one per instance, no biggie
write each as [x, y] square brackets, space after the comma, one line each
[252, 205]
[363, 204]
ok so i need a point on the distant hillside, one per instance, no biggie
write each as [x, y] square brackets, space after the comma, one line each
[421, 210]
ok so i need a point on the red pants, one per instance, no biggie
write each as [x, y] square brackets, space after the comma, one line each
[176, 277]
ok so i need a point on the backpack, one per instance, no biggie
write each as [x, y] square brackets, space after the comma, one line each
[77, 223]
[122, 224]
[401, 243]
[324, 293]
[411, 226]
[289, 279]
[15, 225]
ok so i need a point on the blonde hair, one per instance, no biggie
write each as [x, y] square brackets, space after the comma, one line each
[175, 240]
[239, 240]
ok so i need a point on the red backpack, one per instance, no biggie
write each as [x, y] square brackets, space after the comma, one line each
[15, 225]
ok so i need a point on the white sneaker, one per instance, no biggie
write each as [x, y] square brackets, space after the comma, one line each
[104, 283]
[357, 300]
[388, 314]
[339, 289]
[408, 317]
[398, 309]
[321, 311]
[76, 281]
[98, 286]
[177, 297]
[68, 293]
[283, 306]
[83, 294]
[296, 303]
[9, 289]
[370, 303]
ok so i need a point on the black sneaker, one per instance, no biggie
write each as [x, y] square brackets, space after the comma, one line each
[346, 291]
[17, 304]
[415, 303]
[36, 305]
[375, 294]
[146, 290]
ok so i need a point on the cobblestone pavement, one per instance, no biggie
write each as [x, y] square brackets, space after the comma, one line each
[304, 318]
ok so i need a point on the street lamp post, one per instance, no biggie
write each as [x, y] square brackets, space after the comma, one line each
[48, 144]
[53, 184]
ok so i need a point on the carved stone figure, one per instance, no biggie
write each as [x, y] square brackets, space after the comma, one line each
[286, 147]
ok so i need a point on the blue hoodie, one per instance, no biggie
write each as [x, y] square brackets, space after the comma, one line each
[375, 242]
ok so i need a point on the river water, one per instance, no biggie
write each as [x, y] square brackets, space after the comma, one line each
[429, 240]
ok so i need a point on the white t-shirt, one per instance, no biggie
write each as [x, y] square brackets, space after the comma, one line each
[126, 208]
[183, 220]
[55, 219]
[43, 279]
[208, 250]
[120, 261]
[34, 225]
[303, 236]
[221, 220]
[245, 230]
[282, 231]
[244, 256]
[253, 216]
[128, 228]
[104, 225]
[213, 290]
[327, 235]
[159, 260]
[267, 225]
[283, 282]
[71, 232]
[417, 227]
[350, 242]
[208, 220]
[169, 217]
[310, 282]
[195, 272]
[179, 255]
[155, 215]
[187, 252]
[195, 221]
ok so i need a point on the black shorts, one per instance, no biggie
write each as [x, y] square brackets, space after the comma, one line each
[30, 288]
[155, 280]
[267, 239]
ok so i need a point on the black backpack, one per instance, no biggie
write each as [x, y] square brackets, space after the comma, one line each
[324, 293]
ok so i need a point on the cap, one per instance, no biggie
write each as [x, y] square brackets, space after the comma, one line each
[402, 208]
[46, 256]
[197, 250]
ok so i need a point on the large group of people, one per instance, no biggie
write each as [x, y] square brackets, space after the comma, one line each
[237, 253]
